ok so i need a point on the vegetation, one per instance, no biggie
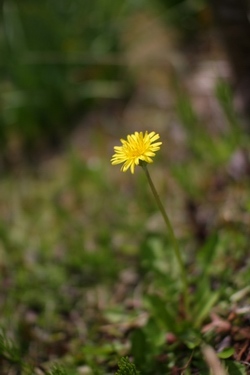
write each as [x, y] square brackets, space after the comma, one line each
[89, 281]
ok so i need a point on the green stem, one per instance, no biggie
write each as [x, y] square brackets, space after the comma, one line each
[172, 238]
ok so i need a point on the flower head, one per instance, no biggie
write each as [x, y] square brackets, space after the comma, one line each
[138, 147]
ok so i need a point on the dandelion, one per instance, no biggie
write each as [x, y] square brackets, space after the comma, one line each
[137, 148]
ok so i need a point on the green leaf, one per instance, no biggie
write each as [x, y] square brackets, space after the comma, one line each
[235, 368]
[155, 334]
[139, 347]
[226, 353]
[207, 253]
[205, 307]
[162, 312]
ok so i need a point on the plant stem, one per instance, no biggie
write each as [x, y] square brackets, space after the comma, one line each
[172, 238]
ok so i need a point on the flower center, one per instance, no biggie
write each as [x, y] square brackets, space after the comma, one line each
[137, 151]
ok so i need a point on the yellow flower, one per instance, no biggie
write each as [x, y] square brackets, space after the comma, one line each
[136, 148]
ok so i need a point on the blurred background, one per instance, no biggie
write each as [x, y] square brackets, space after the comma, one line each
[75, 233]
[101, 63]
